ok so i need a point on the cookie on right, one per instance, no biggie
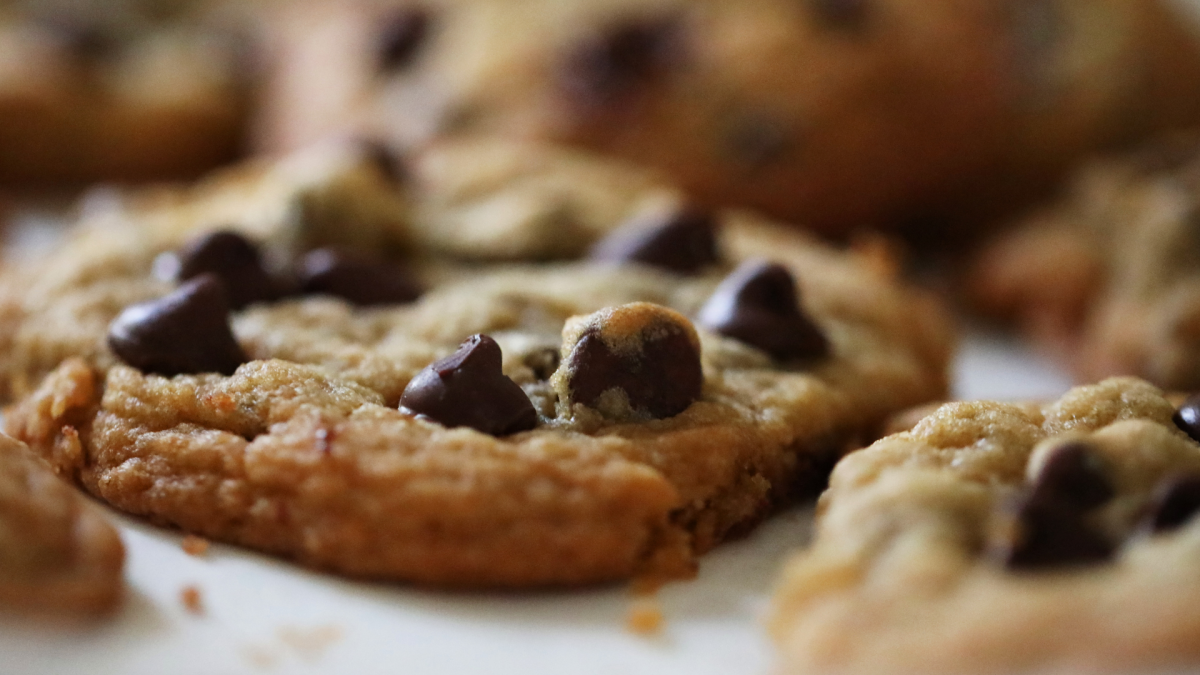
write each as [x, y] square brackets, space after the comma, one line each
[1003, 538]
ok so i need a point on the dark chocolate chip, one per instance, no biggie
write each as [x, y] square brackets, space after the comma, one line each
[186, 331]
[1176, 500]
[1039, 29]
[1049, 534]
[469, 389]
[234, 260]
[682, 241]
[401, 37]
[1187, 417]
[661, 379]
[757, 304]
[847, 15]
[1073, 473]
[756, 141]
[85, 40]
[356, 278]
[608, 66]
[385, 159]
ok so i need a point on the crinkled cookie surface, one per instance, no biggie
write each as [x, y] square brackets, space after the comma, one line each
[1007, 538]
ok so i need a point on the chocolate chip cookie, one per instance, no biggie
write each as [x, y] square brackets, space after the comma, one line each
[1001, 538]
[470, 372]
[838, 114]
[110, 91]
[57, 553]
[1108, 277]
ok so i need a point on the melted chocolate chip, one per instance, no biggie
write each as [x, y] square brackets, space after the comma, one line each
[757, 304]
[1187, 417]
[356, 278]
[1175, 502]
[186, 331]
[234, 260]
[1073, 473]
[469, 389]
[1049, 534]
[401, 37]
[841, 14]
[660, 379]
[682, 241]
[609, 66]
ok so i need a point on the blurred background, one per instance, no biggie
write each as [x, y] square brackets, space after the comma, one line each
[1030, 158]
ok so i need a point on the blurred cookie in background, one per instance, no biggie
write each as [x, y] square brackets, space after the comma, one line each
[119, 91]
[839, 114]
[1109, 277]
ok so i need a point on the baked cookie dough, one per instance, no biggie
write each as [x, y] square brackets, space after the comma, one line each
[1108, 277]
[1002, 538]
[58, 555]
[839, 115]
[113, 91]
[557, 388]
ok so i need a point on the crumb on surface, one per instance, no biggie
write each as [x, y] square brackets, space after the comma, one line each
[645, 617]
[191, 599]
[309, 643]
[259, 657]
[194, 546]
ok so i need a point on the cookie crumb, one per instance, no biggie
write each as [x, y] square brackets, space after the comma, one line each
[194, 546]
[309, 643]
[645, 617]
[191, 599]
[259, 657]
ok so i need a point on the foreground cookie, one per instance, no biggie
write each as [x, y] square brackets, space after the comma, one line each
[839, 114]
[309, 359]
[108, 91]
[57, 553]
[1008, 538]
[1109, 278]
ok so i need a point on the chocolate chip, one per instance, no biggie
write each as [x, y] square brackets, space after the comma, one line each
[757, 304]
[401, 37]
[645, 353]
[756, 141]
[469, 389]
[1048, 534]
[234, 260]
[1187, 417]
[609, 66]
[1073, 473]
[356, 278]
[1039, 29]
[186, 331]
[386, 160]
[847, 15]
[682, 241]
[84, 39]
[1176, 500]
